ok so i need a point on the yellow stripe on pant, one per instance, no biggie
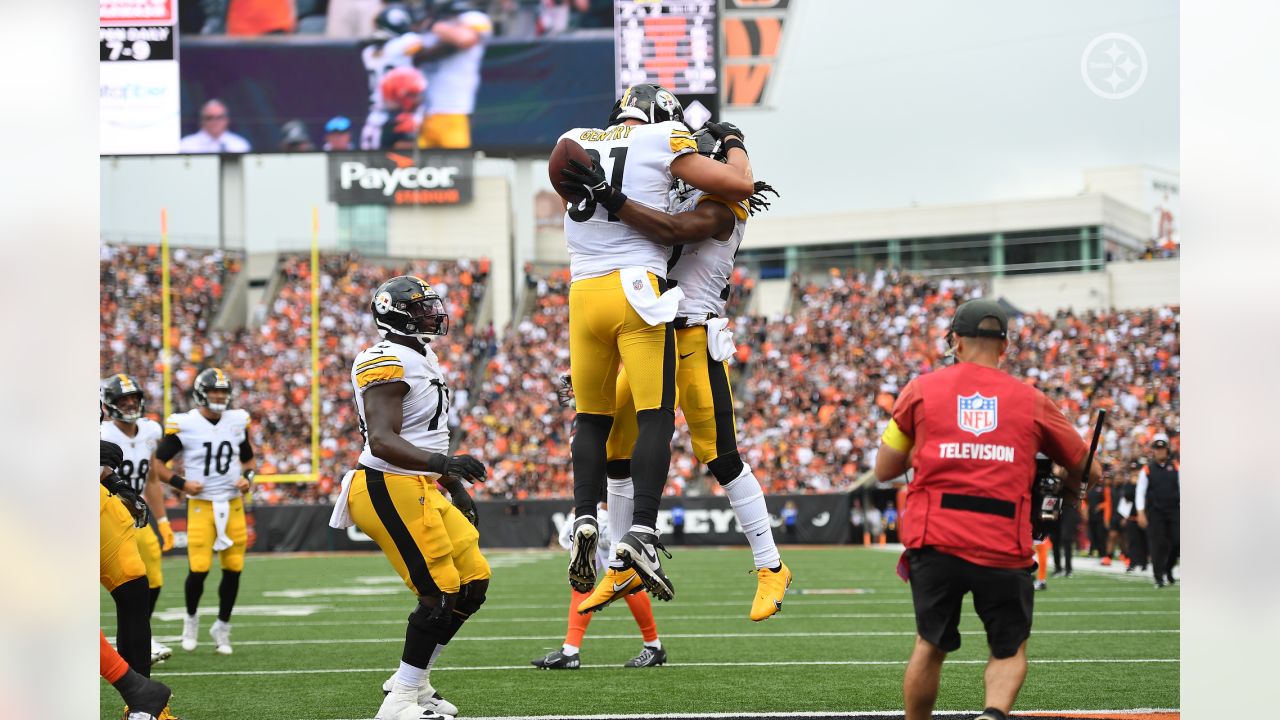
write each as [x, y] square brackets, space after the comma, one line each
[118, 558]
[201, 532]
[149, 549]
[604, 330]
[431, 545]
[703, 394]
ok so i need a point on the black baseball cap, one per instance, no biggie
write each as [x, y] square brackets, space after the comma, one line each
[970, 314]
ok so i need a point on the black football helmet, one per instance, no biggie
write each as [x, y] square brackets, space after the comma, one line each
[394, 20]
[115, 390]
[211, 379]
[648, 103]
[449, 8]
[406, 305]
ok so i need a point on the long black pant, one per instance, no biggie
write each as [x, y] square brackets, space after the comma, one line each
[1064, 542]
[1136, 544]
[1163, 533]
[1097, 533]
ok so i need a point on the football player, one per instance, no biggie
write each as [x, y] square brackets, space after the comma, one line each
[121, 571]
[394, 47]
[457, 34]
[705, 232]
[137, 436]
[213, 440]
[402, 398]
[620, 311]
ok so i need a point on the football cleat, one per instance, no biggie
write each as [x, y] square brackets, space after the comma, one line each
[556, 660]
[582, 554]
[648, 657]
[427, 697]
[770, 588]
[160, 653]
[616, 584]
[150, 702]
[402, 704]
[221, 634]
[1041, 585]
[640, 551]
[190, 632]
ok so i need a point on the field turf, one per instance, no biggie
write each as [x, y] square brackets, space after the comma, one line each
[315, 636]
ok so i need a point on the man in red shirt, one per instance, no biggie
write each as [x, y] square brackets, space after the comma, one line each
[971, 432]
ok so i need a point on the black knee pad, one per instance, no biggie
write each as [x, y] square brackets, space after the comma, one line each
[618, 469]
[433, 610]
[472, 597]
[726, 468]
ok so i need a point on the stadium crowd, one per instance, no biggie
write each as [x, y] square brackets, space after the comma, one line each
[813, 388]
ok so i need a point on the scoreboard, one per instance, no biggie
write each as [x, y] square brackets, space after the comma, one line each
[672, 43]
[138, 94]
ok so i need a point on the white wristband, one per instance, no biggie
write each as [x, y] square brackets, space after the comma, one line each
[162, 520]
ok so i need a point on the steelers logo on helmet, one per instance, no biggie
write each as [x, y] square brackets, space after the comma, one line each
[667, 102]
[408, 306]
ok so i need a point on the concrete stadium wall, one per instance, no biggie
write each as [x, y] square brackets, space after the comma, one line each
[1121, 286]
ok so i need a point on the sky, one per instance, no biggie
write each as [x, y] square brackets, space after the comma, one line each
[934, 102]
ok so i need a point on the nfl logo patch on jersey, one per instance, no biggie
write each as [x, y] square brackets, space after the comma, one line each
[976, 414]
[637, 284]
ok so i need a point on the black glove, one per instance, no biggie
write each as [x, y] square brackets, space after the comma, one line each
[590, 182]
[458, 467]
[110, 455]
[461, 499]
[133, 502]
[722, 130]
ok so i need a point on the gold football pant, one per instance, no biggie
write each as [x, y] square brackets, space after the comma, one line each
[703, 394]
[431, 545]
[118, 558]
[201, 532]
[149, 549]
[604, 330]
[445, 131]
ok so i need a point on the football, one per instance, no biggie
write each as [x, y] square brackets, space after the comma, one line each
[565, 151]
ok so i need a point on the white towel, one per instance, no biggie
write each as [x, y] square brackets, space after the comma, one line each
[341, 517]
[221, 513]
[1125, 507]
[654, 309]
[720, 344]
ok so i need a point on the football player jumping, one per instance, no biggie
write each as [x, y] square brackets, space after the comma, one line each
[213, 440]
[620, 311]
[705, 231]
[432, 542]
[137, 437]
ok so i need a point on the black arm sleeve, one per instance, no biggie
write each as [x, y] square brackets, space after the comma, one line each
[168, 448]
[246, 450]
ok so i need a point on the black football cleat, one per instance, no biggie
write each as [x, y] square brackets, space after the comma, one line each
[582, 554]
[640, 551]
[648, 657]
[556, 660]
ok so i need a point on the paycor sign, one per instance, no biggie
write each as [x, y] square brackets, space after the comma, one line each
[401, 178]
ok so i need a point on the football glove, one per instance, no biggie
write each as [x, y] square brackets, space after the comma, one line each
[166, 535]
[133, 502]
[590, 182]
[461, 499]
[722, 130]
[564, 393]
[110, 455]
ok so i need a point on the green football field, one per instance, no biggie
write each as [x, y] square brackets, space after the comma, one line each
[315, 636]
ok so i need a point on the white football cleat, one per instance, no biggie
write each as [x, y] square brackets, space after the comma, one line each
[427, 697]
[221, 634]
[402, 704]
[190, 632]
[160, 653]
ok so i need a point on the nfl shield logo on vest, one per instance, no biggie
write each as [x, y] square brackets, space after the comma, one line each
[976, 414]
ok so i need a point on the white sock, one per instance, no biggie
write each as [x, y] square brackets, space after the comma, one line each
[747, 500]
[568, 649]
[426, 673]
[643, 529]
[656, 644]
[621, 507]
[409, 676]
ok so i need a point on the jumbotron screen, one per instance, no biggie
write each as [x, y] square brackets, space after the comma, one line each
[673, 44]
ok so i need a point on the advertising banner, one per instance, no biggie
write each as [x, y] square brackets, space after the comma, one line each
[401, 178]
[138, 97]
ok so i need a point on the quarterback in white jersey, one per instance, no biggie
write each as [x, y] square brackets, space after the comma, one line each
[137, 437]
[432, 542]
[620, 310]
[705, 231]
[213, 442]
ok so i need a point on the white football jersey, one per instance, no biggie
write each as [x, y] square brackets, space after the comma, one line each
[426, 405]
[137, 449]
[382, 59]
[703, 269]
[453, 80]
[211, 451]
[637, 157]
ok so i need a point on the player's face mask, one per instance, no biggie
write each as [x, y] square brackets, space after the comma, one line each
[130, 408]
[218, 400]
[429, 316]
